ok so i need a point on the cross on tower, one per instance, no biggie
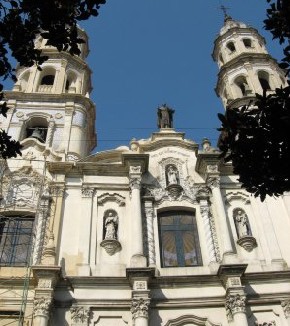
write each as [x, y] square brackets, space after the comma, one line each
[224, 9]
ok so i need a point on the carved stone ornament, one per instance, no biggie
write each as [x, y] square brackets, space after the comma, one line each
[140, 285]
[87, 192]
[235, 303]
[72, 157]
[135, 169]
[140, 307]
[135, 183]
[29, 156]
[247, 242]
[174, 191]
[213, 182]
[265, 323]
[41, 306]
[286, 307]
[111, 246]
[57, 191]
[79, 315]
[22, 188]
[212, 168]
[104, 198]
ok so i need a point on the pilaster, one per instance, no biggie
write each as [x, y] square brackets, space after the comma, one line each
[85, 224]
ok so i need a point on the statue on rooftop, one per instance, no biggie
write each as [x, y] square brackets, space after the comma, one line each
[165, 117]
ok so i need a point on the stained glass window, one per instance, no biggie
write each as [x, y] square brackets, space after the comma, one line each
[179, 239]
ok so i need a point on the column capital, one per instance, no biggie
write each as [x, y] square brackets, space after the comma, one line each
[79, 315]
[140, 307]
[41, 306]
[57, 190]
[87, 192]
[286, 307]
[235, 302]
[213, 181]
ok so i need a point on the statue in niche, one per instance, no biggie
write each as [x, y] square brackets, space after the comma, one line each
[242, 223]
[172, 175]
[111, 226]
[165, 117]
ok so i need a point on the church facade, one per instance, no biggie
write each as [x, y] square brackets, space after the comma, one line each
[157, 233]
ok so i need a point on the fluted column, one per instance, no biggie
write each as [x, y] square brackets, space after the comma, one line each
[286, 308]
[138, 259]
[214, 183]
[149, 211]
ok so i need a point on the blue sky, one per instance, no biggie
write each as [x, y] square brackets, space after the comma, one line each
[148, 52]
[144, 53]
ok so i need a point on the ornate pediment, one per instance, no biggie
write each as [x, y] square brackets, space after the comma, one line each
[22, 188]
[120, 200]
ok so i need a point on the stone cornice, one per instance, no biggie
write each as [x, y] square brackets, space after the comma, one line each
[207, 158]
[241, 59]
[60, 98]
[135, 159]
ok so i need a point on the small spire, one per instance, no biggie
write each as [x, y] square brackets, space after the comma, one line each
[224, 10]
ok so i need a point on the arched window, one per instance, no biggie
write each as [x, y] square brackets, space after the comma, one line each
[264, 80]
[15, 240]
[242, 86]
[247, 42]
[36, 128]
[231, 47]
[179, 241]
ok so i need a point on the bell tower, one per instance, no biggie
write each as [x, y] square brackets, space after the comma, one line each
[245, 67]
[50, 108]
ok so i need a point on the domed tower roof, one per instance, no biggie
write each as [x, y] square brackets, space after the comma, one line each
[230, 23]
[245, 67]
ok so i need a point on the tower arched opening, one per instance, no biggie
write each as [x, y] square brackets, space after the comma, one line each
[264, 80]
[47, 79]
[36, 128]
[231, 47]
[242, 86]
